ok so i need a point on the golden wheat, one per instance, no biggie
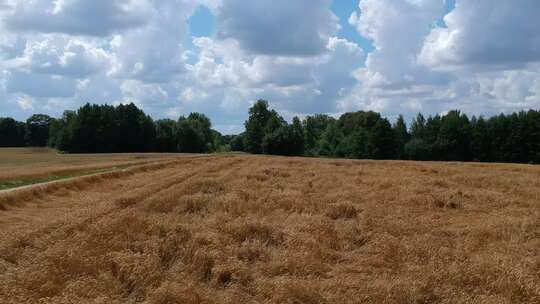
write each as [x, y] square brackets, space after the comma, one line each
[249, 229]
[29, 163]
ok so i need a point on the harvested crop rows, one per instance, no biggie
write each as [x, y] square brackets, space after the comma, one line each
[35, 163]
[250, 229]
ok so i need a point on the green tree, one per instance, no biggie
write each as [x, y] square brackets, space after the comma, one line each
[195, 134]
[256, 126]
[237, 143]
[166, 136]
[352, 122]
[330, 140]
[533, 135]
[297, 134]
[12, 133]
[431, 135]
[454, 138]
[283, 141]
[314, 127]
[275, 121]
[203, 125]
[286, 140]
[481, 148]
[220, 143]
[427, 131]
[61, 132]
[368, 133]
[136, 130]
[277, 142]
[381, 141]
[354, 145]
[190, 139]
[37, 130]
[499, 128]
[417, 149]
[418, 127]
[402, 136]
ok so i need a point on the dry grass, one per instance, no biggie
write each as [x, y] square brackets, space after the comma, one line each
[246, 229]
[31, 163]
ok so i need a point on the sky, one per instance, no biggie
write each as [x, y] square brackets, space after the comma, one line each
[173, 57]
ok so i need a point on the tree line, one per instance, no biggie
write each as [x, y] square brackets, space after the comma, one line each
[363, 135]
[367, 135]
[112, 129]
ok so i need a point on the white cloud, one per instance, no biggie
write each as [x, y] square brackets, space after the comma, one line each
[485, 32]
[392, 80]
[81, 17]
[25, 103]
[143, 94]
[138, 54]
[40, 85]
[155, 52]
[278, 27]
[481, 67]
[60, 54]
[511, 89]
[299, 84]
[397, 29]
[191, 95]
[64, 56]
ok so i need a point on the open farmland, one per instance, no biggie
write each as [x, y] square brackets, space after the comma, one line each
[253, 229]
[21, 166]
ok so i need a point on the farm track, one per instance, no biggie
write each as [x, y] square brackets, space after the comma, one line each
[248, 229]
[124, 168]
[60, 181]
[20, 165]
[29, 200]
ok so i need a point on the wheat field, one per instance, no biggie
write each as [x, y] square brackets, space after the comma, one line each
[256, 229]
[29, 163]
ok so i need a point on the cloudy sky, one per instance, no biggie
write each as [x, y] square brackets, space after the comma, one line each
[172, 57]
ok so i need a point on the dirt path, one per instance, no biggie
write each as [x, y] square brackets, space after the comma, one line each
[44, 203]
[58, 181]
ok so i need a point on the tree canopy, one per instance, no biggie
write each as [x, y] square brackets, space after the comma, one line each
[12, 133]
[364, 134]
[112, 129]
[451, 137]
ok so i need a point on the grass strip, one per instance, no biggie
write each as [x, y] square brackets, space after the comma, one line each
[16, 183]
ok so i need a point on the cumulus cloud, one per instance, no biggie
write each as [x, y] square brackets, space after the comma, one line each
[155, 52]
[60, 54]
[413, 67]
[65, 63]
[485, 32]
[397, 29]
[295, 84]
[279, 27]
[392, 81]
[81, 17]
[511, 89]
[5, 5]
[11, 44]
[143, 94]
[25, 103]
[40, 85]
[66, 57]
[138, 54]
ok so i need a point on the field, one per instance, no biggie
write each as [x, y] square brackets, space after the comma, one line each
[254, 229]
[22, 166]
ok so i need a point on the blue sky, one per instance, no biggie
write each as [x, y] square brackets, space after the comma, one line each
[344, 9]
[173, 57]
[202, 22]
